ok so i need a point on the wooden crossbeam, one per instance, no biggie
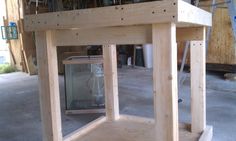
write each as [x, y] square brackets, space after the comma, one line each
[118, 35]
[188, 13]
[176, 11]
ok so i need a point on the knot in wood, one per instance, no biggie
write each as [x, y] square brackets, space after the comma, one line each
[170, 77]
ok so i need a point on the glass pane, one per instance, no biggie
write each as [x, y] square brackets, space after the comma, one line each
[84, 86]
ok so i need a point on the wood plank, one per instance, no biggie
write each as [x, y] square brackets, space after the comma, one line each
[48, 87]
[165, 82]
[221, 54]
[84, 60]
[222, 46]
[24, 58]
[130, 14]
[12, 7]
[29, 49]
[104, 35]
[198, 86]
[188, 13]
[84, 130]
[90, 111]
[27, 40]
[111, 82]
[118, 35]
[137, 119]
[131, 129]
[23, 48]
[189, 34]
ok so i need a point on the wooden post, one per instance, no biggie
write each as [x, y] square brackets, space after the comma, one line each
[111, 82]
[198, 85]
[48, 87]
[165, 82]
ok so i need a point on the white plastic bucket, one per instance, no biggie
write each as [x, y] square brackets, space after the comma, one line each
[148, 55]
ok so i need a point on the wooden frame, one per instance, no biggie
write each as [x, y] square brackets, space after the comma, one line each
[161, 23]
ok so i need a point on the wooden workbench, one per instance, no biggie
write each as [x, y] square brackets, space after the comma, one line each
[161, 23]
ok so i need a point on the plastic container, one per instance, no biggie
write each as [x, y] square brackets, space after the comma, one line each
[148, 55]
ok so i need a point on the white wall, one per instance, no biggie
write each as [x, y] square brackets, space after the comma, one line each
[4, 51]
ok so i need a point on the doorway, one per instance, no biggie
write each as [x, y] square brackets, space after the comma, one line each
[4, 50]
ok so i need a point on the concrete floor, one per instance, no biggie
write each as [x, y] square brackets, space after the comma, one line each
[20, 113]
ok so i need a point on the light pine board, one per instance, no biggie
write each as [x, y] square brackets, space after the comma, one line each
[111, 82]
[198, 85]
[131, 129]
[165, 81]
[48, 87]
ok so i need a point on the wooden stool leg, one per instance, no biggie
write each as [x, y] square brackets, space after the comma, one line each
[165, 82]
[111, 82]
[48, 87]
[198, 86]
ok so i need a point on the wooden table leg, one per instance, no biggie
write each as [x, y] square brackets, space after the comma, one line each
[111, 82]
[48, 87]
[165, 82]
[198, 85]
